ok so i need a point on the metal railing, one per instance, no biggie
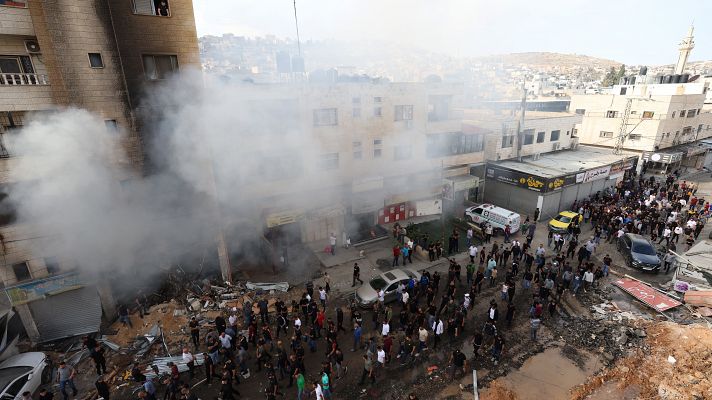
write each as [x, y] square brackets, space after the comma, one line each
[16, 79]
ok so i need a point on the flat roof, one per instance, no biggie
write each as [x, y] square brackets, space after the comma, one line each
[551, 165]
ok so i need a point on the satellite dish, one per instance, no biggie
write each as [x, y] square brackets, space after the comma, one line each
[656, 157]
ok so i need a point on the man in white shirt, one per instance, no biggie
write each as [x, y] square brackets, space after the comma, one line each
[422, 339]
[189, 360]
[473, 253]
[438, 330]
[381, 296]
[692, 224]
[406, 296]
[587, 279]
[225, 341]
[317, 391]
[470, 234]
[385, 329]
[676, 234]
[381, 356]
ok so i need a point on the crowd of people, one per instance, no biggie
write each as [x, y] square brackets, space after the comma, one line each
[428, 313]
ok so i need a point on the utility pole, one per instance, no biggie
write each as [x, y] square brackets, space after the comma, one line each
[623, 131]
[520, 125]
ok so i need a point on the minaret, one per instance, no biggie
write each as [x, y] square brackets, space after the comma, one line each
[686, 46]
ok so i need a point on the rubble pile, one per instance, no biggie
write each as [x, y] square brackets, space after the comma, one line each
[674, 365]
[609, 332]
[497, 391]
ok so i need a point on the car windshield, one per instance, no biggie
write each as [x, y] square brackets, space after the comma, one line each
[643, 248]
[563, 218]
[378, 283]
[7, 375]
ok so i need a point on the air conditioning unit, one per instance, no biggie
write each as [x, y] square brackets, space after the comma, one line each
[536, 156]
[574, 146]
[556, 146]
[32, 46]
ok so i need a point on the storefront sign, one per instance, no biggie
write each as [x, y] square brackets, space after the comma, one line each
[516, 178]
[593, 174]
[561, 182]
[647, 295]
[466, 182]
[448, 189]
[622, 165]
[284, 217]
[39, 289]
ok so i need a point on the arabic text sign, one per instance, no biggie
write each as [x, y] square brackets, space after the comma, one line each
[647, 295]
[36, 290]
[593, 174]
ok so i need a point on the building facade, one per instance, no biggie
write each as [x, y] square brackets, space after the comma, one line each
[98, 55]
[375, 153]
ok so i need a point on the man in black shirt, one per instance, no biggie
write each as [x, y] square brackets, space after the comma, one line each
[458, 361]
[357, 275]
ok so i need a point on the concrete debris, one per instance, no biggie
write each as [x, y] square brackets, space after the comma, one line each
[671, 360]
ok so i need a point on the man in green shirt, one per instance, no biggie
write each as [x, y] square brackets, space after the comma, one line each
[470, 273]
[301, 383]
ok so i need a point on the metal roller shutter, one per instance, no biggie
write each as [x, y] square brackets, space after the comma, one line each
[67, 314]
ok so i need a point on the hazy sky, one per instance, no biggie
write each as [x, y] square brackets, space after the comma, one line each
[633, 32]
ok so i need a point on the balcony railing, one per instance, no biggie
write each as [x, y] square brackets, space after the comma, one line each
[15, 79]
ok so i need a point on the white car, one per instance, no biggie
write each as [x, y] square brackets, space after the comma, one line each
[22, 373]
[367, 294]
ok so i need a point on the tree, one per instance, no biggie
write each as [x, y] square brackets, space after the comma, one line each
[612, 77]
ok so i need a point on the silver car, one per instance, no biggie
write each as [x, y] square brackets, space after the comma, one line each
[23, 372]
[367, 294]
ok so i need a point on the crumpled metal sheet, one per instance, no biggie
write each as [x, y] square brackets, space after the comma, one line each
[281, 286]
[163, 368]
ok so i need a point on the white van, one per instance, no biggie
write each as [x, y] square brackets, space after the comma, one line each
[498, 217]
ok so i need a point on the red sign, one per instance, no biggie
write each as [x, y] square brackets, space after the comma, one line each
[647, 295]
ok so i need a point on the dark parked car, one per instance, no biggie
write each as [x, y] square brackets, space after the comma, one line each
[639, 252]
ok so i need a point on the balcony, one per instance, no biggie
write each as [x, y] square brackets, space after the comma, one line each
[17, 79]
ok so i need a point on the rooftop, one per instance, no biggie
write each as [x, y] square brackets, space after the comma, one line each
[551, 165]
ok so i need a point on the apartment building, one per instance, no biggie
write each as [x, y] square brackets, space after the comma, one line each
[99, 55]
[367, 154]
[663, 122]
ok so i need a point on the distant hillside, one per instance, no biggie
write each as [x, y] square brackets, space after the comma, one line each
[550, 60]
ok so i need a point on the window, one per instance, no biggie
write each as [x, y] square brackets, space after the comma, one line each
[325, 117]
[507, 141]
[22, 271]
[403, 113]
[8, 214]
[528, 137]
[635, 136]
[152, 7]
[648, 114]
[540, 137]
[52, 265]
[377, 150]
[439, 107]
[687, 130]
[377, 112]
[355, 100]
[691, 113]
[13, 70]
[358, 153]
[356, 113]
[454, 143]
[605, 134]
[377, 153]
[555, 135]
[95, 60]
[329, 161]
[111, 126]
[402, 152]
[682, 113]
[623, 90]
[158, 67]
[611, 114]
[378, 99]
[580, 111]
